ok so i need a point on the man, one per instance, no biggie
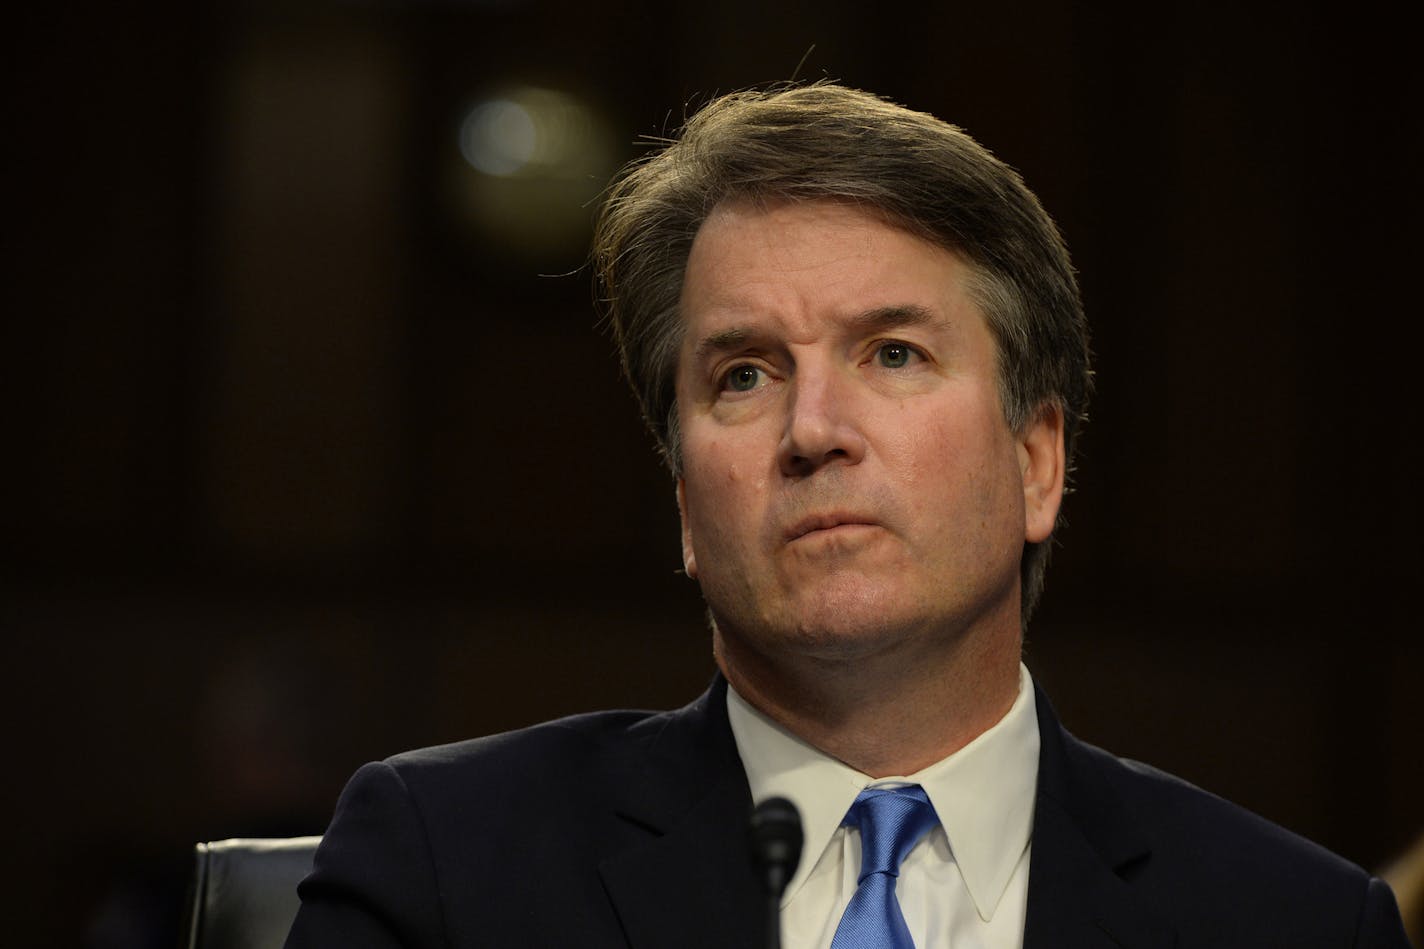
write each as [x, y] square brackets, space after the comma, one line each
[858, 340]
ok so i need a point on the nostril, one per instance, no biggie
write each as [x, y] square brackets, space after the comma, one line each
[799, 465]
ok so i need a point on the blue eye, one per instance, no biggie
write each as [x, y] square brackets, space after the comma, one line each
[742, 379]
[894, 355]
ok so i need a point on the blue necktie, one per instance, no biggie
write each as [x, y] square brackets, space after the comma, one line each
[891, 822]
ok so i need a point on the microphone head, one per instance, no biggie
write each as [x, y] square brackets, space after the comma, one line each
[776, 842]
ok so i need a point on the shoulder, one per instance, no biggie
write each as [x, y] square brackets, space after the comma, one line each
[566, 744]
[522, 817]
[1128, 810]
[567, 763]
[1226, 873]
[1180, 817]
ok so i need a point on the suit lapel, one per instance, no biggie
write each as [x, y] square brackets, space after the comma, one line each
[686, 878]
[1085, 843]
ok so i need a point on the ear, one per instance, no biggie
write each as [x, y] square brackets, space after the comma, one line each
[1042, 463]
[689, 558]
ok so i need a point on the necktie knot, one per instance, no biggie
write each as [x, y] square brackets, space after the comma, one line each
[891, 822]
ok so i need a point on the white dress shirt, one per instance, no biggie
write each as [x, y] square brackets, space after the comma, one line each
[964, 885]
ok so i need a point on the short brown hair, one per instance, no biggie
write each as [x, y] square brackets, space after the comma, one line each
[824, 141]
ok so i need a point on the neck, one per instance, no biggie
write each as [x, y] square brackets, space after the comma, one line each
[892, 713]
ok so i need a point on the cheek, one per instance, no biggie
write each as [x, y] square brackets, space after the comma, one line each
[963, 468]
[939, 453]
[724, 464]
[720, 492]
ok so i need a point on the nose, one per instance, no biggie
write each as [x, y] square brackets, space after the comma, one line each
[822, 424]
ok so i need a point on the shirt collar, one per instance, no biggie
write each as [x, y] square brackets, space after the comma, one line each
[983, 793]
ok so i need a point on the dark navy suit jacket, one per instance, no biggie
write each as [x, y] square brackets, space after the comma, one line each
[628, 829]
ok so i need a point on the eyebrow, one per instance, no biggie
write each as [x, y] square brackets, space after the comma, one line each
[878, 319]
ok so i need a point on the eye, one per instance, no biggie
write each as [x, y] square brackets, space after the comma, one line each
[742, 378]
[894, 355]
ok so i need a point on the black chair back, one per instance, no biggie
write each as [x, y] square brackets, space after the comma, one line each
[245, 891]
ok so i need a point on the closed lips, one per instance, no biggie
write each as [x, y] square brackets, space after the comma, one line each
[822, 522]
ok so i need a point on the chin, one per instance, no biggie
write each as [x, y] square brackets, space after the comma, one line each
[847, 621]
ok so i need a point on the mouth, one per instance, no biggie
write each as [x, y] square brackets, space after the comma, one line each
[817, 524]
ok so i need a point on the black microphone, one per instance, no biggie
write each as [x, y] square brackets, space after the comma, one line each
[776, 851]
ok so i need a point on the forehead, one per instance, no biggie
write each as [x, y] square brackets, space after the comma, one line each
[808, 261]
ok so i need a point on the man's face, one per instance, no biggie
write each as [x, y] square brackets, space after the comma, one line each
[849, 484]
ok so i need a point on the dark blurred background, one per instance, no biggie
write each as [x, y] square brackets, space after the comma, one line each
[317, 453]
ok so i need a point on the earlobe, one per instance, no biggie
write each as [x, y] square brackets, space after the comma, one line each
[689, 559]
[1042, 462]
